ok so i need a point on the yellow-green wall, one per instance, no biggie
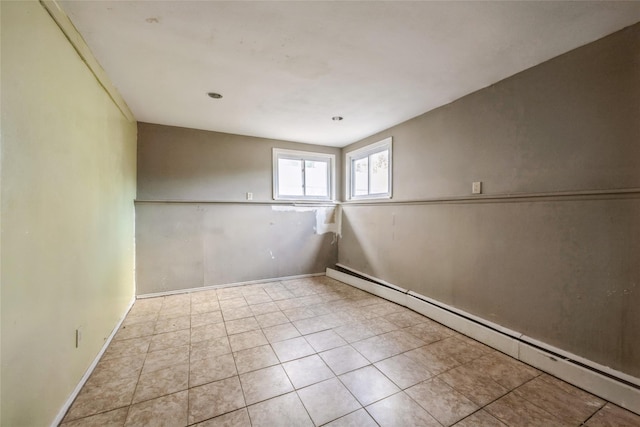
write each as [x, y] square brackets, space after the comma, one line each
[68, 179]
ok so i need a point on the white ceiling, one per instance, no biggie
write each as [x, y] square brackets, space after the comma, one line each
[285, 68]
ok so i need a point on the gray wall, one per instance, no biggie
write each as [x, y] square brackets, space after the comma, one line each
[562, 269]
[214, 236]
[186, 164]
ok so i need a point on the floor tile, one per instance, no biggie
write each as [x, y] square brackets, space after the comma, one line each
[212, 399]
[613, 416]
[310, 325]
[174, 311]
[260, 298]
[211, 369]
[264, 384]
[400, 410]
[135, 330]
[327, 401]
[402, 340]
[353, 332]
[207, 332]
[441, 401]
[285, 410]
[281, 332]
[325, 340]
[115, 418]
[103, 397]
[209, 348]
[118, 367]
[386, 307]
[229, 293]
[165, 358]
[457, 349]
[255, 358]
[170, 339]
[206, 318]
[403, 371]
[241, 325]
[299, 313]
[236, 313]
[434, 361]
[429, 331]
[404, 319]
[306, 371]
[568, 403]
[172, 324]
[477, 386]
[247, 340]
[343, 359]
[166, 342]
[380, 325]
[264, 308]
[480, 418]
[166, 411]
[376, 348]
[504, 370]
[516, 411]
[198, 308]
[162, 382]
[294, 348]
[368, 385]
[139, 318]
[128, 347]
[272, 319]
[359, 418]
[235, 302]
[239, 418]
[280, 295]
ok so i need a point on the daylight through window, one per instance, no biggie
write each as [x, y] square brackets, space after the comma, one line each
[301, 175]
[369, 171]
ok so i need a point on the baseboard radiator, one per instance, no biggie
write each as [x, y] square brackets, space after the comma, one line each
[609, 384]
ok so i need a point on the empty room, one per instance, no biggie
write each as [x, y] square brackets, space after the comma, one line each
[309, 213]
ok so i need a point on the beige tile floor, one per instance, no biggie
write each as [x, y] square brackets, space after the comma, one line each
[315, 352]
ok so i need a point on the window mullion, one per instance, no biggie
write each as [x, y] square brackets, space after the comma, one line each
[370, 172]
[304, 177]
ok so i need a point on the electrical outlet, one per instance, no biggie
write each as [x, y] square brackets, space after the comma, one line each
[249, 196]
[78, 336]
[476, 187]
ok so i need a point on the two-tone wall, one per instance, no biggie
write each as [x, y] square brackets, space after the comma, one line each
[551, 248]
[67, 245]
[195, 226]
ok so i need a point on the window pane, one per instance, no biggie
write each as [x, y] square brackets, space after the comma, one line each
[290, 177]
[379, 179]
[360, 176]
[316, 178]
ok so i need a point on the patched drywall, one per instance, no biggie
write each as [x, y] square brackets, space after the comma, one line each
[328, 218]
[68, 184]
[562, 269]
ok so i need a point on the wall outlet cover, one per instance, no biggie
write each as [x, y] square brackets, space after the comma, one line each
[476, 187]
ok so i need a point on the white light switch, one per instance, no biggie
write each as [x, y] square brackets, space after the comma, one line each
[476, 187]
[249, 196]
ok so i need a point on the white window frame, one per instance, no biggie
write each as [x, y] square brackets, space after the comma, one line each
[361, 153]
[282, 153]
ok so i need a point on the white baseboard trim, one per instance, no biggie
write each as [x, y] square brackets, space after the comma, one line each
[226, 285]
[63, 411]
[588, 375]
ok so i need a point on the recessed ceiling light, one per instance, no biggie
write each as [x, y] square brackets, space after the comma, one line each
[214, 95]
[337, 118]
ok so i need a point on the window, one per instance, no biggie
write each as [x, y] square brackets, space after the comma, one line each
[302, 175]
[369, 171]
